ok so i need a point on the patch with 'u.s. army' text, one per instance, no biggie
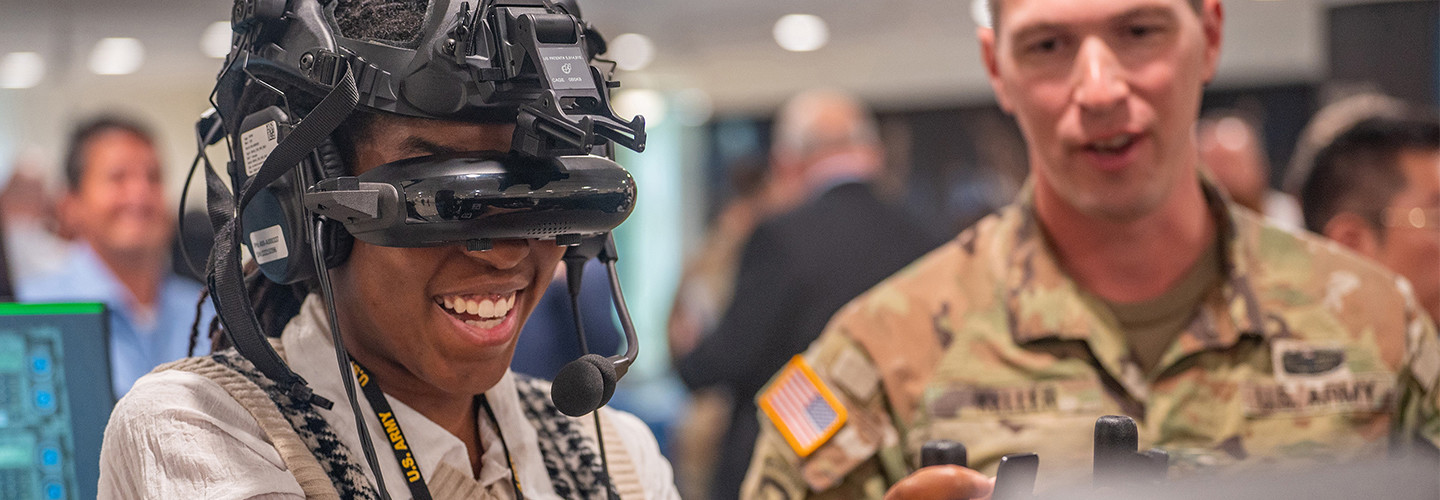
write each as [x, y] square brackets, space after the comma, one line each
[802, 408]
[1359, 392]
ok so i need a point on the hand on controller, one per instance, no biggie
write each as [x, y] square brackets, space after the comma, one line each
[942, 482]
[943, 473]
[942, 476]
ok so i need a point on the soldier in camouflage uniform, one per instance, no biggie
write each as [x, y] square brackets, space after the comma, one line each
[1011, 338]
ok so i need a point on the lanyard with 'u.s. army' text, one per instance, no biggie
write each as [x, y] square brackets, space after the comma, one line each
[413, 478]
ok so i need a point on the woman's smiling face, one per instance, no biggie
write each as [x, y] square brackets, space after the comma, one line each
[437, 319]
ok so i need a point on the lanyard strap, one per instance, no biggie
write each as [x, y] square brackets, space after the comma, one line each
[413, 478]
[484, 402]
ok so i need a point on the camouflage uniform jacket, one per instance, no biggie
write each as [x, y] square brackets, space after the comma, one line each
[1305, 352]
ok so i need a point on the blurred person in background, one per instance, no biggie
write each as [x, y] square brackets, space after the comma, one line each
[799, 267]
[114, 206]
[1121, 281]
[704, 292]
[1375, 188]
[1346, 108]
[707, 283]
[33, 243]
[1232, 150]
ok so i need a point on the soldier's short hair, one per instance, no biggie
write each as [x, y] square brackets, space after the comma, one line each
[994, 7]
[1358, 172]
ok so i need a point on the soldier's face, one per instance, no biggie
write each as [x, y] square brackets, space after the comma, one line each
[1106, 93]
[398, 306]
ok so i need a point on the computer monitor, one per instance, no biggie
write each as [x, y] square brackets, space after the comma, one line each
[55, 398]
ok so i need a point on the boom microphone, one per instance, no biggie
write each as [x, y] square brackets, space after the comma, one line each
[584, 385]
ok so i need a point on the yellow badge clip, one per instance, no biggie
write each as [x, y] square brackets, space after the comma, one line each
[800, 405]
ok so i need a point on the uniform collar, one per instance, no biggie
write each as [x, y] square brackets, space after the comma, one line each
[1042, 298]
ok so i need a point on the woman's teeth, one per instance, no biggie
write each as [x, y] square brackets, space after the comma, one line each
[485, 323]
[1112, 144]
[482, 312]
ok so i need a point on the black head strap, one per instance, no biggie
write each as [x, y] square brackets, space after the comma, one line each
[232, 301]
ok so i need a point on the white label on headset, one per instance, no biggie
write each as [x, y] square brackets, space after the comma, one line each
[567, 67]
[269, 244]
[256, 145]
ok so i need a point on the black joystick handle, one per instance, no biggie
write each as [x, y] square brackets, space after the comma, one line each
[943, 452]
[1118, 464]
[1116, 440]
[1015, 480]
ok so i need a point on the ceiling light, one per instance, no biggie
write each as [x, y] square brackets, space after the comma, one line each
[801, 32]
[215, 42]
[117, 56]
[644, 102]
[21, 70]
[631, 51]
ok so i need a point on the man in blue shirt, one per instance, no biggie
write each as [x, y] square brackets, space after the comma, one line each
[115, 207]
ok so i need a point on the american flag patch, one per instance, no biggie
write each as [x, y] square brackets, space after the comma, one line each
[802, 408]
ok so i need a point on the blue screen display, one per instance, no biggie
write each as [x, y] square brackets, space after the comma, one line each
[55, 398]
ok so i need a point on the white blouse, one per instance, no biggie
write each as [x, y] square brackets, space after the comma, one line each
[177, 434]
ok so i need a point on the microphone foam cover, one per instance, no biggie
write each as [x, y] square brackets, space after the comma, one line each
[583, 385]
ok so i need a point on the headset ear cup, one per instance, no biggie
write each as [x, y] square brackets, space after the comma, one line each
[337, 240]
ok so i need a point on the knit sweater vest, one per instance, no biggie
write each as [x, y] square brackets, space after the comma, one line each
[327, 469]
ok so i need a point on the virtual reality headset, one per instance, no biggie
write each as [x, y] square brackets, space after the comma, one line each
[477, 198]
[474, 60]
[488, 61]
[293, 77]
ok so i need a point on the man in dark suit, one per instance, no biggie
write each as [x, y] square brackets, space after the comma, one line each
[800, 267]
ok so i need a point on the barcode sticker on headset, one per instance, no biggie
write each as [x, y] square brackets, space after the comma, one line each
[256, 145]
[268, 245]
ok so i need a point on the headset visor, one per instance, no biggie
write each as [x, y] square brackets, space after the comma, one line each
[477, 197]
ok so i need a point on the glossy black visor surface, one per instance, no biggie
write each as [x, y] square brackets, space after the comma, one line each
[459, 198]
